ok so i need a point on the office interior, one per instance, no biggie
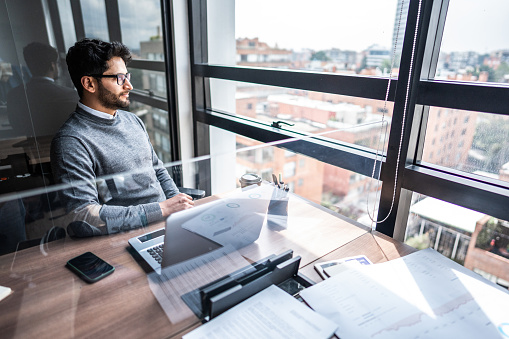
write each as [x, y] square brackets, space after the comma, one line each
[408, 139]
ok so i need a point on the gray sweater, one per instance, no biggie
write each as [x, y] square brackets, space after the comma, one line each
[114, 178]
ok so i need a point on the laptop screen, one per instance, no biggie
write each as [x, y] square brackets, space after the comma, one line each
[235, 221]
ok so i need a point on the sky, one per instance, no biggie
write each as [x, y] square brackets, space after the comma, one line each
[472, 25]
[138, 20]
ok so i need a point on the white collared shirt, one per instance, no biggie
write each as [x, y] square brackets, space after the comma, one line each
[45, 78]
[96, 112]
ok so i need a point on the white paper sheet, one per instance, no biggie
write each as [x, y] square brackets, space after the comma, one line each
[422, 295]
[236, 220]
[272, 313]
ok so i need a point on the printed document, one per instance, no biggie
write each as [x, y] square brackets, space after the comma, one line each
[272, 313]
[422, 295]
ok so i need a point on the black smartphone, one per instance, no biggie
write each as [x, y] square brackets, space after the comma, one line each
[90, 267]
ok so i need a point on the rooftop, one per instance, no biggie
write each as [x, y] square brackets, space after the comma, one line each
[447, 214]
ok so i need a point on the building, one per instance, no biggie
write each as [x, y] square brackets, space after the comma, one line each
[254, 52]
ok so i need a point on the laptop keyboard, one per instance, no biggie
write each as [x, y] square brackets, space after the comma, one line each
[157, 252]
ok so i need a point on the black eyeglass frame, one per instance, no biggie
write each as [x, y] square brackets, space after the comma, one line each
[120, 81]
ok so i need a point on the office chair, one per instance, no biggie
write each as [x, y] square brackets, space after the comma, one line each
[194, 193]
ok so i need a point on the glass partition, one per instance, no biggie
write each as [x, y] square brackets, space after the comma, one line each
[271, 205]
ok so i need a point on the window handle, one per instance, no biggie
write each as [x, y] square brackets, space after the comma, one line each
[277, 124]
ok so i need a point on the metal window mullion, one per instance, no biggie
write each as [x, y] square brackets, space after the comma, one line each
[417, 129]
[357, 86]
[355, 160]
[197, 10]
[479, 97]
[77, 16]
[57, 26]
[113, 20]
[144, 98]
[171, 83]
[149, 65]
[471, 194]
[409, 75]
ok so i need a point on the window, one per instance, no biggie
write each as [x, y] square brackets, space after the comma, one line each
[310, 47]
[289, 169]
[474, 47]
[94, 19]
[426, 152]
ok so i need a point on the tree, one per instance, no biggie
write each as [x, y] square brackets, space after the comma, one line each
[501, 71]
[320, 55]
[491, 138]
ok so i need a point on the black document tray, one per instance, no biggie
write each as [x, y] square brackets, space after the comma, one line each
[218, 296]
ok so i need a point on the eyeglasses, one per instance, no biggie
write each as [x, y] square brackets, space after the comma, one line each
[120, 77]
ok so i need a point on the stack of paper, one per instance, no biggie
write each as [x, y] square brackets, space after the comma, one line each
[422, 295]
[272, 313]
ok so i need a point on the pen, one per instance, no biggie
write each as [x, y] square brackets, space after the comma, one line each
[274, 179]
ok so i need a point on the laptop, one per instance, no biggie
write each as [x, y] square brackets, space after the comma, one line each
[234, 222]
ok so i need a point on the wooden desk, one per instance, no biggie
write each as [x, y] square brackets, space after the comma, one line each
[50, 301]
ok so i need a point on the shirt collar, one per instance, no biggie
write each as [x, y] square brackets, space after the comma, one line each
[45, 78]
[96, 112]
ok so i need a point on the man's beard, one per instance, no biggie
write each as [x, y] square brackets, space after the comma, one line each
[111, 100]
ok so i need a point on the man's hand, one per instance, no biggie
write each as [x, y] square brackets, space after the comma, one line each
[177, 203]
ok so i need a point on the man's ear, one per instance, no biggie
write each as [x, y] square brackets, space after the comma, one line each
[89, 84]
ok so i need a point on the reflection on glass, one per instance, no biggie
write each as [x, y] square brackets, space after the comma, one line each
[328, 36]
[466, 236]
[468, 141]
[475, 45]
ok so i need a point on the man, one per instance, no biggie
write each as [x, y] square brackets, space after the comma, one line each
[42, 106]
[116, 181]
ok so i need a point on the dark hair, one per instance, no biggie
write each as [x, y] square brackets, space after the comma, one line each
[39, 57]
[91, 56]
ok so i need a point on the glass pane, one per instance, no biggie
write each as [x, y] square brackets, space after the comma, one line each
[325, 36]
[222, 236]
[475, 44]
[357, 120]
[157, 125]
[35, 100]
[68, 30]
[94, 19]
[473, 142]
[141, 26]
[151, 82]
[340, 190]
[473, 239]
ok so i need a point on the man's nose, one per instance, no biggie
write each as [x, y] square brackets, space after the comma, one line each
[128, 85]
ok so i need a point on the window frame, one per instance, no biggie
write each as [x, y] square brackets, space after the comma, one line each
[167, 66]
[453, 186]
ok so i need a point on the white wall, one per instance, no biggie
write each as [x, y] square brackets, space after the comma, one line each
[183, 86]
[222, 50]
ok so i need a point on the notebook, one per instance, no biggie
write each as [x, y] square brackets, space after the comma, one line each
[235, 221]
